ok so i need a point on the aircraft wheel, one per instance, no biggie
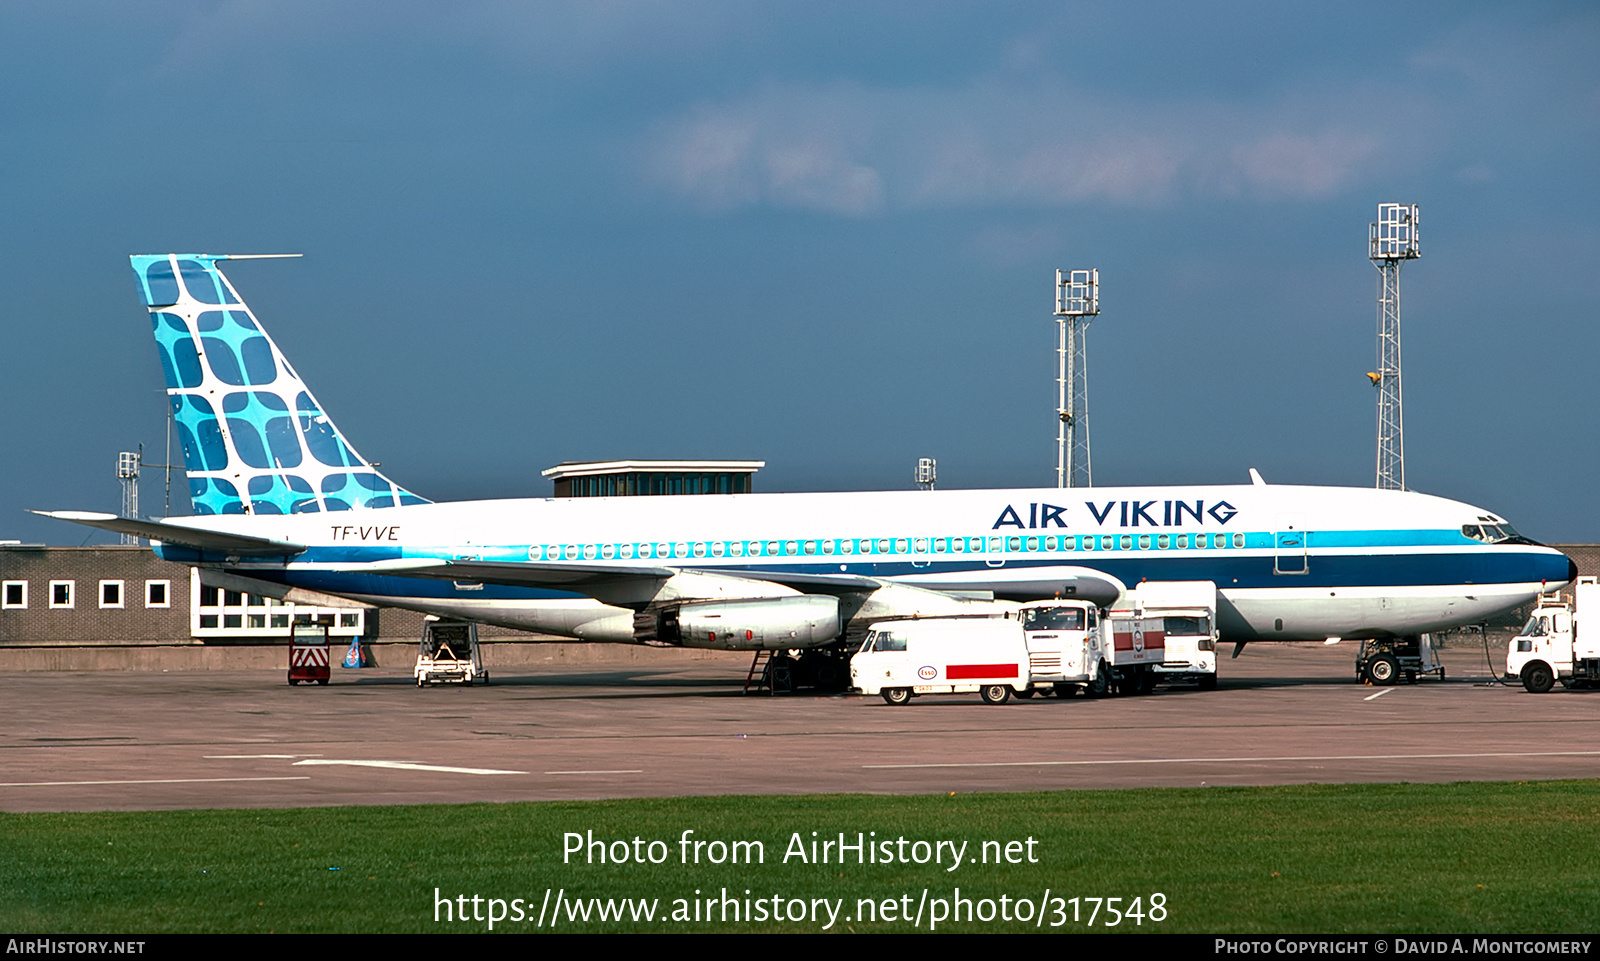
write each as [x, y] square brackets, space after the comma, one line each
[1538, 678]
[896, 695]
[1383, 670]
[994, 693]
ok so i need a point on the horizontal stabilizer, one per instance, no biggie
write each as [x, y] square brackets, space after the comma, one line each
[211, 577]
[200, 540]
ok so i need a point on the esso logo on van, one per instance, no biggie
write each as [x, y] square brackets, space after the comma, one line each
[927, 673]
[1138, 640]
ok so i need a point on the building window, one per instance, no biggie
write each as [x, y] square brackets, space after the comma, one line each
[157, 593]
[110, 594]
[61, 593]
[14, 595]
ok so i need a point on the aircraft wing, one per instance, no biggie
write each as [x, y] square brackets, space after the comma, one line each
[523, 573]
[241, 545]
[579, 576]
[814, 583]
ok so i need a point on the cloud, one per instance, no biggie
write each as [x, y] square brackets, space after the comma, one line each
[857, 150]
[787, 151]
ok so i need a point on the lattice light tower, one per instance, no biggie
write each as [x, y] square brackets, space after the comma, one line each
[128, 473]
[1077, 303]
[1391, 241]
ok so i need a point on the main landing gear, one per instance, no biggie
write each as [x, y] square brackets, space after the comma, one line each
[1386, 660]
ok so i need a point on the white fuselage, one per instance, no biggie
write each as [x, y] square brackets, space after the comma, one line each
[1289, 562]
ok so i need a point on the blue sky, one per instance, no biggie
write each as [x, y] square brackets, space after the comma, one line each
[819, 234]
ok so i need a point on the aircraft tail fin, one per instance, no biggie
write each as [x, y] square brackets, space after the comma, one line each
[254, 438]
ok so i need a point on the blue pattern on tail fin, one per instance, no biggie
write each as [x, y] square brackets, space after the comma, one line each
[255, 440]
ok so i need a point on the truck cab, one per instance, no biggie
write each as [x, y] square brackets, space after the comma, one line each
[1188, 612]
[1551, 646]
[1065, 646]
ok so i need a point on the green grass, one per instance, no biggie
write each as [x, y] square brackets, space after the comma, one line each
[1471, 857]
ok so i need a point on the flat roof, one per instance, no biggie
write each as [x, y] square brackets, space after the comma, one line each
[584, 468]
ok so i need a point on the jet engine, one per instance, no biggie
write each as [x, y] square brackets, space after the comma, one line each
[807, 620]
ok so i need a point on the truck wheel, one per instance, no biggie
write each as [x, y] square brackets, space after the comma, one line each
[1025, 694]
[1538, 678]
[1383, 670]
[994, 693]
[1097, 687]
[1208, 682]
[896, 695]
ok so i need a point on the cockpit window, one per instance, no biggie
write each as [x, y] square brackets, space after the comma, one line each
[1489, 533]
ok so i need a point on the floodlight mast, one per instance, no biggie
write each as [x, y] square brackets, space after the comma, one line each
[1391, 240]
[128, 473]
[1077, 303]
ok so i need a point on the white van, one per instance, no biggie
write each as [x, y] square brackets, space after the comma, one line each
[946, 655]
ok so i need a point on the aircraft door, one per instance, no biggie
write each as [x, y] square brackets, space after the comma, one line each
[1289, 547]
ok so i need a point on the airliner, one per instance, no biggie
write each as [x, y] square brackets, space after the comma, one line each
[285, 507]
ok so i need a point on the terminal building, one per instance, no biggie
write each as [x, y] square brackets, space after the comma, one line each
[630, 478]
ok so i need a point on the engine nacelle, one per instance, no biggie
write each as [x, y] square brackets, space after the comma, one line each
[808, 620]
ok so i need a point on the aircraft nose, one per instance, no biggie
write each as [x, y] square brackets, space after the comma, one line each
[1563, 570]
